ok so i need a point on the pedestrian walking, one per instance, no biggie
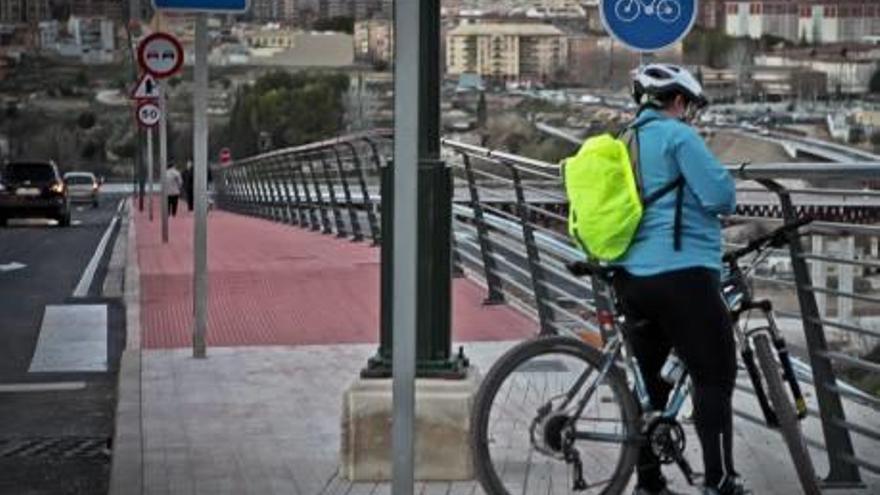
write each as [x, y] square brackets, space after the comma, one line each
[188, 186]
[173, 186]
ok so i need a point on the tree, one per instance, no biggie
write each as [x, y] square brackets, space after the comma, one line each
[291, 109]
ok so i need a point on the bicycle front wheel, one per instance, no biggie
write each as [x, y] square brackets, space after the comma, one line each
[522, 421]
[789, 424]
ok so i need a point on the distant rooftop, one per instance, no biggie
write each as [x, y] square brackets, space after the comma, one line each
[522, 29]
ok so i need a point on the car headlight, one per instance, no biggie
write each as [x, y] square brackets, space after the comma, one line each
[2, 187]
[57, 187]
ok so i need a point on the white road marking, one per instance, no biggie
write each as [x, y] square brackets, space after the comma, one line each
[41, 387]
[76, 222]
[82, 288]
[72, 338]
[12, 266]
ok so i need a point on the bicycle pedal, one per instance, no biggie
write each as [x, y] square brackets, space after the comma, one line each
[685, 468]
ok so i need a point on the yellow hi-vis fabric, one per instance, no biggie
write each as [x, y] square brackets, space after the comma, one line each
[604, 203]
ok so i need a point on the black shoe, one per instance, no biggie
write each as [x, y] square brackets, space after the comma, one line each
[733, 486]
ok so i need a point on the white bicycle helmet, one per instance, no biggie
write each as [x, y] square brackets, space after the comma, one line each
[654, 81]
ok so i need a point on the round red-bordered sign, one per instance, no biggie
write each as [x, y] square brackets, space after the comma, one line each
[160, 54]
[148, 113]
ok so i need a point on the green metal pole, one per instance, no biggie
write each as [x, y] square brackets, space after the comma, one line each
[434, 356]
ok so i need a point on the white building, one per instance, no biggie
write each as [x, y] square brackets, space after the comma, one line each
[91, 38]
[49, 35]
[815, 21]
[848, 68]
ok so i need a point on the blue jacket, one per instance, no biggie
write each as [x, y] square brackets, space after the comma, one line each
[669, 148]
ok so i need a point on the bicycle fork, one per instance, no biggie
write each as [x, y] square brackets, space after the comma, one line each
[781, 348]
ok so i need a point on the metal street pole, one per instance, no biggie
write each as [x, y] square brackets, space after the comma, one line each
[163, 159]
[404, 259]
[200, 186]
[150, 172]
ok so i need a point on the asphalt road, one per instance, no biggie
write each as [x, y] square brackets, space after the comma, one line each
[54, 442]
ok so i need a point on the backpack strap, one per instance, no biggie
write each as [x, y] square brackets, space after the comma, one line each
[630, 135]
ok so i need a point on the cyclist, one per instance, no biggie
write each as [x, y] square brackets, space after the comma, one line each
[671, 272]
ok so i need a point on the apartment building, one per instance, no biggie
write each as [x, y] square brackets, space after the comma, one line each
[506, 52]
[284, 11]
[24, 11]
[373, 40]
[813, 21]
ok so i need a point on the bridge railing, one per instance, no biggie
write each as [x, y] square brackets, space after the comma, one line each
[509, 218]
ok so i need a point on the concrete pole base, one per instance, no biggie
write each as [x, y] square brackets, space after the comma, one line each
[442, 437]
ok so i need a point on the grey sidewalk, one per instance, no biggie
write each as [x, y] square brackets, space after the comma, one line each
[266, 420]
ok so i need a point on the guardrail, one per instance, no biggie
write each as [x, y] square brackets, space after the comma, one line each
[509, 234]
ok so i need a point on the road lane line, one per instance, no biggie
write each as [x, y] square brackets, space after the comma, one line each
[72, 338]
[85, 282]
[10, 388]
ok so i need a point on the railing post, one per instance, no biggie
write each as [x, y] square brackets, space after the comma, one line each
[274, 191]
[250, 189]
[319, 197]
[493, 281]
[544, 312]
[838, 442]
[313, 216]
[334, 206]
[352, 212]
[284, 192]
[260, 172]
[301, 218]
[365, 192]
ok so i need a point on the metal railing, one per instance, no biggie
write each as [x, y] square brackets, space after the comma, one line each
[510, 216]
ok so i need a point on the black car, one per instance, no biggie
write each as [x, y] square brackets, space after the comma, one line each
[33, 189]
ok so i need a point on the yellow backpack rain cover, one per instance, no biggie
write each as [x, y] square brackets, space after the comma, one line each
[605, 206]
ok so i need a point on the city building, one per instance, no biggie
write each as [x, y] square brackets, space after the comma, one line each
[811, 21]
[24, 11]
[284, 11]
[272, 36]
[373, 41]
[710, 14]
[784, 83]
[93, 39]
[847, 67]
[49, 34]
[356, 9]
[598, 60]
[506, 52]
[111, 9]
[721, 85]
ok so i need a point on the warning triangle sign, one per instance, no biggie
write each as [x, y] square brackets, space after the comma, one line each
[147, 88]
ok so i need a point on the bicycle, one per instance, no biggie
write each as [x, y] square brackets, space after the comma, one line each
[667, 11]
[580, 427]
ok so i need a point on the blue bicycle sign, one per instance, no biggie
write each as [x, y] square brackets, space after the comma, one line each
[648, 25]
[666, 10]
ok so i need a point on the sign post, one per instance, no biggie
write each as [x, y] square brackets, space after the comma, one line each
[200, 186]
[200, 150]
[648, 26]
[163, 164]
[150, 172]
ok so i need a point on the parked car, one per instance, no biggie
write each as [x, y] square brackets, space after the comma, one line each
[82, 187]
[33, 189]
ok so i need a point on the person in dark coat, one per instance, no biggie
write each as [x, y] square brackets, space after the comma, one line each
[188, 186]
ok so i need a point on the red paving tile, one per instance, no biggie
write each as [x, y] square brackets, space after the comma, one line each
[273, 284]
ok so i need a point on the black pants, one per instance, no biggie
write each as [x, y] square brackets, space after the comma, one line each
[683, 310]
[172, 205]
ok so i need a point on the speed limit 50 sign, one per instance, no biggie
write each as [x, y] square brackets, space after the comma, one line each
[148, 114]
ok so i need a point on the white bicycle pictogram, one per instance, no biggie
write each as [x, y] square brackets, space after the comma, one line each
[667, 11]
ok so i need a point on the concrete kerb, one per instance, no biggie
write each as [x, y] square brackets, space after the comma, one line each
[126, 474]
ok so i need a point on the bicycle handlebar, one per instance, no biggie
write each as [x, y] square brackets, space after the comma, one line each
[775, 238]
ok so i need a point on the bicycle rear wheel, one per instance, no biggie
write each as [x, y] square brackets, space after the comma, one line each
[517, 445]
[789, 424]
